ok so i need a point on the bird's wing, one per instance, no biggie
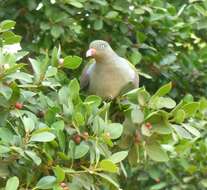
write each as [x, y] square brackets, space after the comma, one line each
[135, 79]
[84, 78]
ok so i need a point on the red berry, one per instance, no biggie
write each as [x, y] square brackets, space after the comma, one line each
[148, 125]
[18, 105]
[63, 185]
[157, 180]
[77, 139]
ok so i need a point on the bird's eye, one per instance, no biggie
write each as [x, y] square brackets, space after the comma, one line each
[102, 46]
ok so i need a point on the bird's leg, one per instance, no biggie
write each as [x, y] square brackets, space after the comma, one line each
[109, 98]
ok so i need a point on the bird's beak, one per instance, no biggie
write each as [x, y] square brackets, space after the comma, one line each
[91, 52]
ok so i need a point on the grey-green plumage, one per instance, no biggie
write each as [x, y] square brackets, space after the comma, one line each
[109, 74]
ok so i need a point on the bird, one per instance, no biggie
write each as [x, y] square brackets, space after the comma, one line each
[109, 74]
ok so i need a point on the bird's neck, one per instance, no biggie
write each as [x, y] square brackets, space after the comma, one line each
[107, 58]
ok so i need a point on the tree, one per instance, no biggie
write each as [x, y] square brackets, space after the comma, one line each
[54, 136]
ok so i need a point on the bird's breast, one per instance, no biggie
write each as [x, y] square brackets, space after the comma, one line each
[108, 80]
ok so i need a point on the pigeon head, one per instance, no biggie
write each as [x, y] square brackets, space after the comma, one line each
[99, 49]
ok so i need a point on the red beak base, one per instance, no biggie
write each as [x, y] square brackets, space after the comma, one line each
[91, 52]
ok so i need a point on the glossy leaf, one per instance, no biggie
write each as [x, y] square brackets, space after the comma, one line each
[114, 129]
[118, 156]
[46, 182]
[72, 62]
[42, 137]
[156, 153]
[109, 166]
[12, 183]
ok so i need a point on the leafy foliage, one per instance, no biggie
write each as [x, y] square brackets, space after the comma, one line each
[51, 133]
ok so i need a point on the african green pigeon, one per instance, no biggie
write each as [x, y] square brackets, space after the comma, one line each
[109, 74]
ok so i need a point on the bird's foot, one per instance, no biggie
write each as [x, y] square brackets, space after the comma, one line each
[109, 98]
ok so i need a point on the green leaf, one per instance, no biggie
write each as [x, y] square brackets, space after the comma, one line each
[118, 156]
[75, 3]
[37, 160]
[158, 186]
[61, 139]
[164, 90]
[155, 101]
[192, 130]
[58, 125]
[156, 153]
[94, 100]
[112, 14]
[59, 173]
[108, 166]
[139, 11]
[55, 56]
[72, 62]
[78, 151]
[29, 124]
[63, 95]
[4, 149]
[137, 115]
[145, 75]
[36, 66]
[12, 183]
[78, 118]
[20, 55]
[114, 129]
[6, 92]
[154, 173]
[98, 24]
[163, 102]
[204, 183]
[74, 88]
[5, 135]
[42, 137]
[56, 31]
[46, 182]
[201, 10]
[190, 109]
[162, 128]
[11, 38]
[182, 132]
[169, 59]
[51, 71]
[109, 179]
[135, 57]
[21, 76]
[7, 25]
[143, 97]
[179, 116]
[12, 69]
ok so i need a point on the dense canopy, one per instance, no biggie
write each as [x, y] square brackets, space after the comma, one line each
[54, 135]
